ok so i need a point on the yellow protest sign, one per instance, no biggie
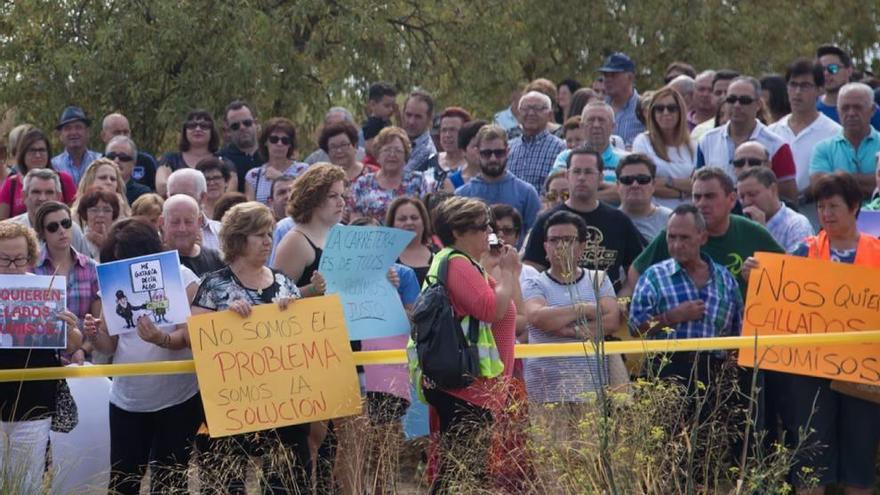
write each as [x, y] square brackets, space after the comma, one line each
[274, 368]
[793, 295]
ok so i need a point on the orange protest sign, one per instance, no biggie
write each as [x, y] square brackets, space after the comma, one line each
[793, 295]
[274, 368]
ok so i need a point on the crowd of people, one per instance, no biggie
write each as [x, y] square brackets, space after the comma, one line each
[573, 211]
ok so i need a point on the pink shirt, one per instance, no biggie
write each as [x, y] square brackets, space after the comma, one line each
[389, 378]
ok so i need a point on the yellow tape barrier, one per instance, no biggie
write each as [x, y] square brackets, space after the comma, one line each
[522, 351]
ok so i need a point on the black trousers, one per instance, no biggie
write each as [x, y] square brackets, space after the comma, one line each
[163, 439]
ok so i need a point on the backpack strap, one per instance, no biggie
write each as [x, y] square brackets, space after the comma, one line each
[442, 271]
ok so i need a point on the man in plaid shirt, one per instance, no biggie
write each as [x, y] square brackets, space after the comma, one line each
[531, 156]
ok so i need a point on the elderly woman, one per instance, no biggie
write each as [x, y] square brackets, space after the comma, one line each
[96, 210]
[844, 427]
[26, 408]
[246, 241]
[217, 174]
[481, 284]
[372, 193]
[277, 146]
[153, 419]
[339, 140]
[409, 214]
[54, 225]
[199, 139]
[104, 174]
[33, 151]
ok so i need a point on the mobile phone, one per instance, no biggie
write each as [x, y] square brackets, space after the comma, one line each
[494, 241]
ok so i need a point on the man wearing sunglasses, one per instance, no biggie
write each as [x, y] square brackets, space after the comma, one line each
[838, 68]
[717, 146]
[635, 184]
[122, 150]
[496, 184]
[144, 167]
[240, 134]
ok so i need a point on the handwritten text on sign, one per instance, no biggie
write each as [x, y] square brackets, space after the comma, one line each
[791, 295]
[274, 368]
[29, 305]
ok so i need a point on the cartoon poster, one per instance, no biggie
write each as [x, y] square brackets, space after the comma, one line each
[28, 308]
[148, 285]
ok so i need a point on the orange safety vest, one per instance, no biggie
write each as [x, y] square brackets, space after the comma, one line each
[867, 250]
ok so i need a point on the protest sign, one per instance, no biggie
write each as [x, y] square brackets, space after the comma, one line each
[869, 223]
[792, 295]
[274, 368]
[355, 264]
[29, 305]
[147, 285]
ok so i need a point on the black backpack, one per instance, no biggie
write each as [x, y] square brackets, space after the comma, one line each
[447, 357]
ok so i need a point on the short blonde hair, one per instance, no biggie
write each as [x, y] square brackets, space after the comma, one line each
[88, 180]
[239, 222]
[147, 205]
[11, 230]
[389, 134]
[311, 189]
[458, 214]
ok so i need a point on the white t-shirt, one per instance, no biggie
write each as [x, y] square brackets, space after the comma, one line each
[679, 166]
[803, 144]
[154, 392]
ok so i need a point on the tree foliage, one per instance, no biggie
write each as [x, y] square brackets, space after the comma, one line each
[156, 59]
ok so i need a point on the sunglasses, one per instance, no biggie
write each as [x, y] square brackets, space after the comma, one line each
[201, 124]
[488, 153]
[832, 68]
[54, 226]
[237, 125]
[555, 195]
[752, 162]
[122, 157]
[743, 100]
[671, 108]
[480, 227]
[642, 179]
[283, 139]
[508, 231]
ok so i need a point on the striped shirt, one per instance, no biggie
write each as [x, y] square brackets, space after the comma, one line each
[562, 379]
[82, 281]
[666, 285]
[531, 158]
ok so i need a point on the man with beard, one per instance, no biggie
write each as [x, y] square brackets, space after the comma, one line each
[240, 127]
[495, 184]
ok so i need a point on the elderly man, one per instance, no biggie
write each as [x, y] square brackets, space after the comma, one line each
[418, 113]
[612, 242]
[749, 154]
[759, 195]
[495, 183]
[854, 150]
[704, 103]
[732, 238]
[73, 132]
[532, 154]
[180, 226]
[619, 74]
[144, 169]
[191, 182]
[334, 115]
[42, 185]
[717, 146]
[122, 150]
[635, 184]
[837, 65]
[241, 126]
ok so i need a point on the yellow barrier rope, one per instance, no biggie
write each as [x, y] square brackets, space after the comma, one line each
[522, 351]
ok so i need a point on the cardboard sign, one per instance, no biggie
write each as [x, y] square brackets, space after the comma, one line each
[355, 264]
[147, 285]
[274, 368]
[29, 305]
[793, 295]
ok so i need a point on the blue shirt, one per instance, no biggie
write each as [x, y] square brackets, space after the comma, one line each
[510, 190]
[422, 149]
[531, 158]
[831, 112]
[409, 289]
[283, 226]
[64, 163]
[837, 153]
[626, 124]
[666, 285]
[610, 158]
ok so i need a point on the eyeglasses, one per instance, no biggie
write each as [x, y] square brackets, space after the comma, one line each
[201, 124]
[7, 262]
[753, 162]
[37, 151]
[567, 239]
[122, 157]
[54, 226]
[99, 210]
[533, 109]
[283, 139]
[555, 195]
[237, 125]
[832, 68]
[392, 151]
[628, 180]
[508, 231]
[500, 152]
[743, 99]
[339, 147]
[213, 178]
[802, 86]
[671, 108]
